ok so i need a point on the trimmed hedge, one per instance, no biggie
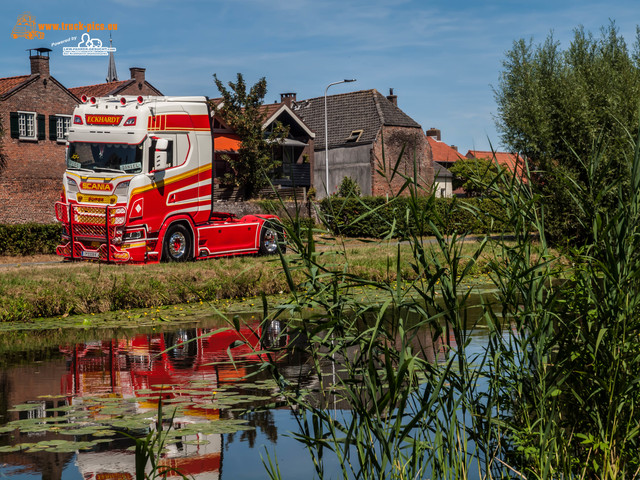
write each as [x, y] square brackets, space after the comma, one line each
[29, 239]
[468, 215]
[462, 215]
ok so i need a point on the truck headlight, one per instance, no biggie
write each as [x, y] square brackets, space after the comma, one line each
[72, 186]
[122, 188]
[133, 235]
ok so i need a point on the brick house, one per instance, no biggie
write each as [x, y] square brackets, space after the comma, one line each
[360, 125]
[294, 176]
[35, 110]
[511, 161]
[136, 85]
[444, 156]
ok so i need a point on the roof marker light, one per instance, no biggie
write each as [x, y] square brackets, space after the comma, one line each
[83, 99]
[123, 101]
[140, 99]
[93, 100]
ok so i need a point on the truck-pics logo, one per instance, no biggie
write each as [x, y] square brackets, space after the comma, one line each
[88, 46]
[26, 27]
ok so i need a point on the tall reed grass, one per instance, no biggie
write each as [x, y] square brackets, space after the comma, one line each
[399, 392]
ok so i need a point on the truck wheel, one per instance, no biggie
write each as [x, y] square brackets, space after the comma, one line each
[177, 244]
[269, 240]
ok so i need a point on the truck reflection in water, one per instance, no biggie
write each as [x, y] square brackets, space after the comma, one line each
[187, 364]
[187, 367]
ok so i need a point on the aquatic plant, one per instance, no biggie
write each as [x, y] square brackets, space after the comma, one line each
[553, 395]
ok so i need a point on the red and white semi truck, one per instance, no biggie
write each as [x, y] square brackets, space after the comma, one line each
[139, 186]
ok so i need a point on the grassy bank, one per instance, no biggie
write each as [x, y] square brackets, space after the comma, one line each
[29, 290]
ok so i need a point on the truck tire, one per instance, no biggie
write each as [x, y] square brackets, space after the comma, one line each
[177, 244]
[184, 349]
[270, 240]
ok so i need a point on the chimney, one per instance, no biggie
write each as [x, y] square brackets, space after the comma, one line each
[288, 98]
[137, 74]
[39, 61]
[455, 147]
[392, 98]
[434, 133]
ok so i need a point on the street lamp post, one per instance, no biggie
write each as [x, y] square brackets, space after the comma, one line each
[326, 133]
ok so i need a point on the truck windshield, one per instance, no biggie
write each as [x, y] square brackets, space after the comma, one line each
[105, 157]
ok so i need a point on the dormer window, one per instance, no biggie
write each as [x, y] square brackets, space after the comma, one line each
[355, 136]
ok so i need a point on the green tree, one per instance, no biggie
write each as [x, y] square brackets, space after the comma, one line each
[243, 111]
[349, 188]
[559, 107]
[473, 175]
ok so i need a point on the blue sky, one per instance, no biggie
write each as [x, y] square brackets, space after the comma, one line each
[440, 57]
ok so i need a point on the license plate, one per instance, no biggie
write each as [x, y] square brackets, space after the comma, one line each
[88, 254]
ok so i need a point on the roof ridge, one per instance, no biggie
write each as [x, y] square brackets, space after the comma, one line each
[337, 95]
[15, 76]
[103, 83]
[23, 81]
[376, 102]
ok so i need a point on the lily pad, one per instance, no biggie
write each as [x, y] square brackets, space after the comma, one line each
[196, 442]
[10, 448]
[25, 407]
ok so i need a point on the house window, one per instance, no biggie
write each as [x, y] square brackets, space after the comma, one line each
[27, 126]
[63, 122]
[355, 136]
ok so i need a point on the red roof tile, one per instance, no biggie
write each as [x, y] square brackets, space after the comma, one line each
[9, 83]
[512, 161]
[443, 152]
[99, 90]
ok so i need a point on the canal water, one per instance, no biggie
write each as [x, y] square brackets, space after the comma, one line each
[65, 401]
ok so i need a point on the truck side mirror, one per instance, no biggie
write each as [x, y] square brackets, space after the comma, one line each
[160, 159]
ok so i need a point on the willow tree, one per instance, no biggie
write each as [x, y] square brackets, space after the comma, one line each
[557, 108]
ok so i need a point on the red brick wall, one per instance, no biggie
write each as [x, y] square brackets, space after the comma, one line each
[143, 89]
[32, 180]
[416, 147]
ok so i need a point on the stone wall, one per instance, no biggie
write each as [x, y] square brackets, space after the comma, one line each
[240, 209]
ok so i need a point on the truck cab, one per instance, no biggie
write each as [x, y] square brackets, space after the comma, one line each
[139, 185]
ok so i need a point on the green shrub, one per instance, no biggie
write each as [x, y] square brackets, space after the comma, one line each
[29, 239]
[349, 188]
[375, 217]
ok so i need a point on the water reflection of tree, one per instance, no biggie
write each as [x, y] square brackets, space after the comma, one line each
[262, 420]
[5, 388]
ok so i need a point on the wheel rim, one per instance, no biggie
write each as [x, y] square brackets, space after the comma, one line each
[177, 245]
[270, 240]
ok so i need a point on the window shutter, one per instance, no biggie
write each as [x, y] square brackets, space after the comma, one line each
[53, 127]
[41, 127]
[15, 129]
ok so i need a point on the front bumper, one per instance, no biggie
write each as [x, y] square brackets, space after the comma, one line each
[94, 232]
